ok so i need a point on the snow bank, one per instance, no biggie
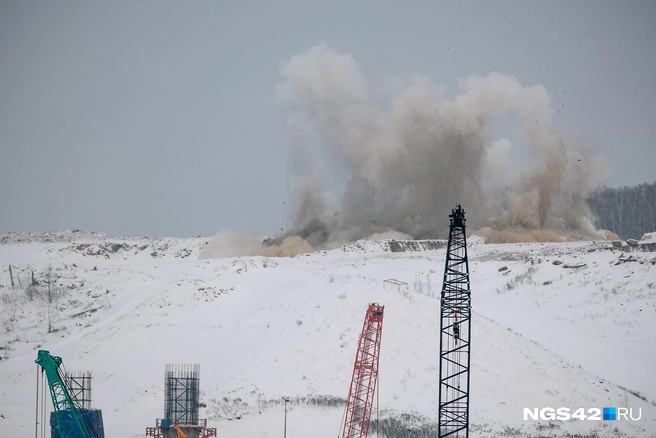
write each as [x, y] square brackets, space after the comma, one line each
[263, 328]
[649, 237]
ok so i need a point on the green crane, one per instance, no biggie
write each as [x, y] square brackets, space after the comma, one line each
[61, 399]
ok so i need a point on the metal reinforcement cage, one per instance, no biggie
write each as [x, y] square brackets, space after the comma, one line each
[181, 393]
[79, 387]
[181, 405]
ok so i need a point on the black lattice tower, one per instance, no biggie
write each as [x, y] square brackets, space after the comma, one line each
[455, 330]
[181, 393]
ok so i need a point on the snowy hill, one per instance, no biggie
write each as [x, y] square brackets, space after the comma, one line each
[555, 325]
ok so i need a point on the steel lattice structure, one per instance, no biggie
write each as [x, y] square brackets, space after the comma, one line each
[365, 375]
[181, 404]
[455, 330]
[79, 387]
[181, 393]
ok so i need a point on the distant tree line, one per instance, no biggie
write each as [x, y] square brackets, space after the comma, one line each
[628, 212]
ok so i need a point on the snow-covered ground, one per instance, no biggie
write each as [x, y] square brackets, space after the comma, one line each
[563, 325]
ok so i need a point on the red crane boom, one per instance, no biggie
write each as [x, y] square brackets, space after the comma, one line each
[365, 375]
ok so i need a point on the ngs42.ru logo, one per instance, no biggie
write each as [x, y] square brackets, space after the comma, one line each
[565, 414]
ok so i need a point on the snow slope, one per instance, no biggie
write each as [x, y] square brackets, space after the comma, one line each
[544, 334]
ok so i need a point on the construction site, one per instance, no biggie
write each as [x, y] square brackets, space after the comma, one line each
[247, 220]
[71, 393]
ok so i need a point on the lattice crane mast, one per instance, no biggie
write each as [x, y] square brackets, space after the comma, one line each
[61, 399]
[455, 330]
[365, 375]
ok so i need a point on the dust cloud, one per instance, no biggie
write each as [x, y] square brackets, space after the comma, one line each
[405, 153]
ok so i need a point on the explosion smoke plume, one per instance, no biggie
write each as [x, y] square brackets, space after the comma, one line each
[411, 157]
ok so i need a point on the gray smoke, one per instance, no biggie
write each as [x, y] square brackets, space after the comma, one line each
[408, 153]
[412, 157]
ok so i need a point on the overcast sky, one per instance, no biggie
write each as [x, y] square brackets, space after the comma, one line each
[159, 117]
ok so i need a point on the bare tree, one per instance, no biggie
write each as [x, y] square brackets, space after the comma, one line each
[52, 293]
[429, 285]
[419, 285]
[627, 211]
[31, 290]
[10, 310]
[648, 194]
[11, 277]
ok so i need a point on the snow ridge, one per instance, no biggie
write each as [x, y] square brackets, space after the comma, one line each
[554, 325]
